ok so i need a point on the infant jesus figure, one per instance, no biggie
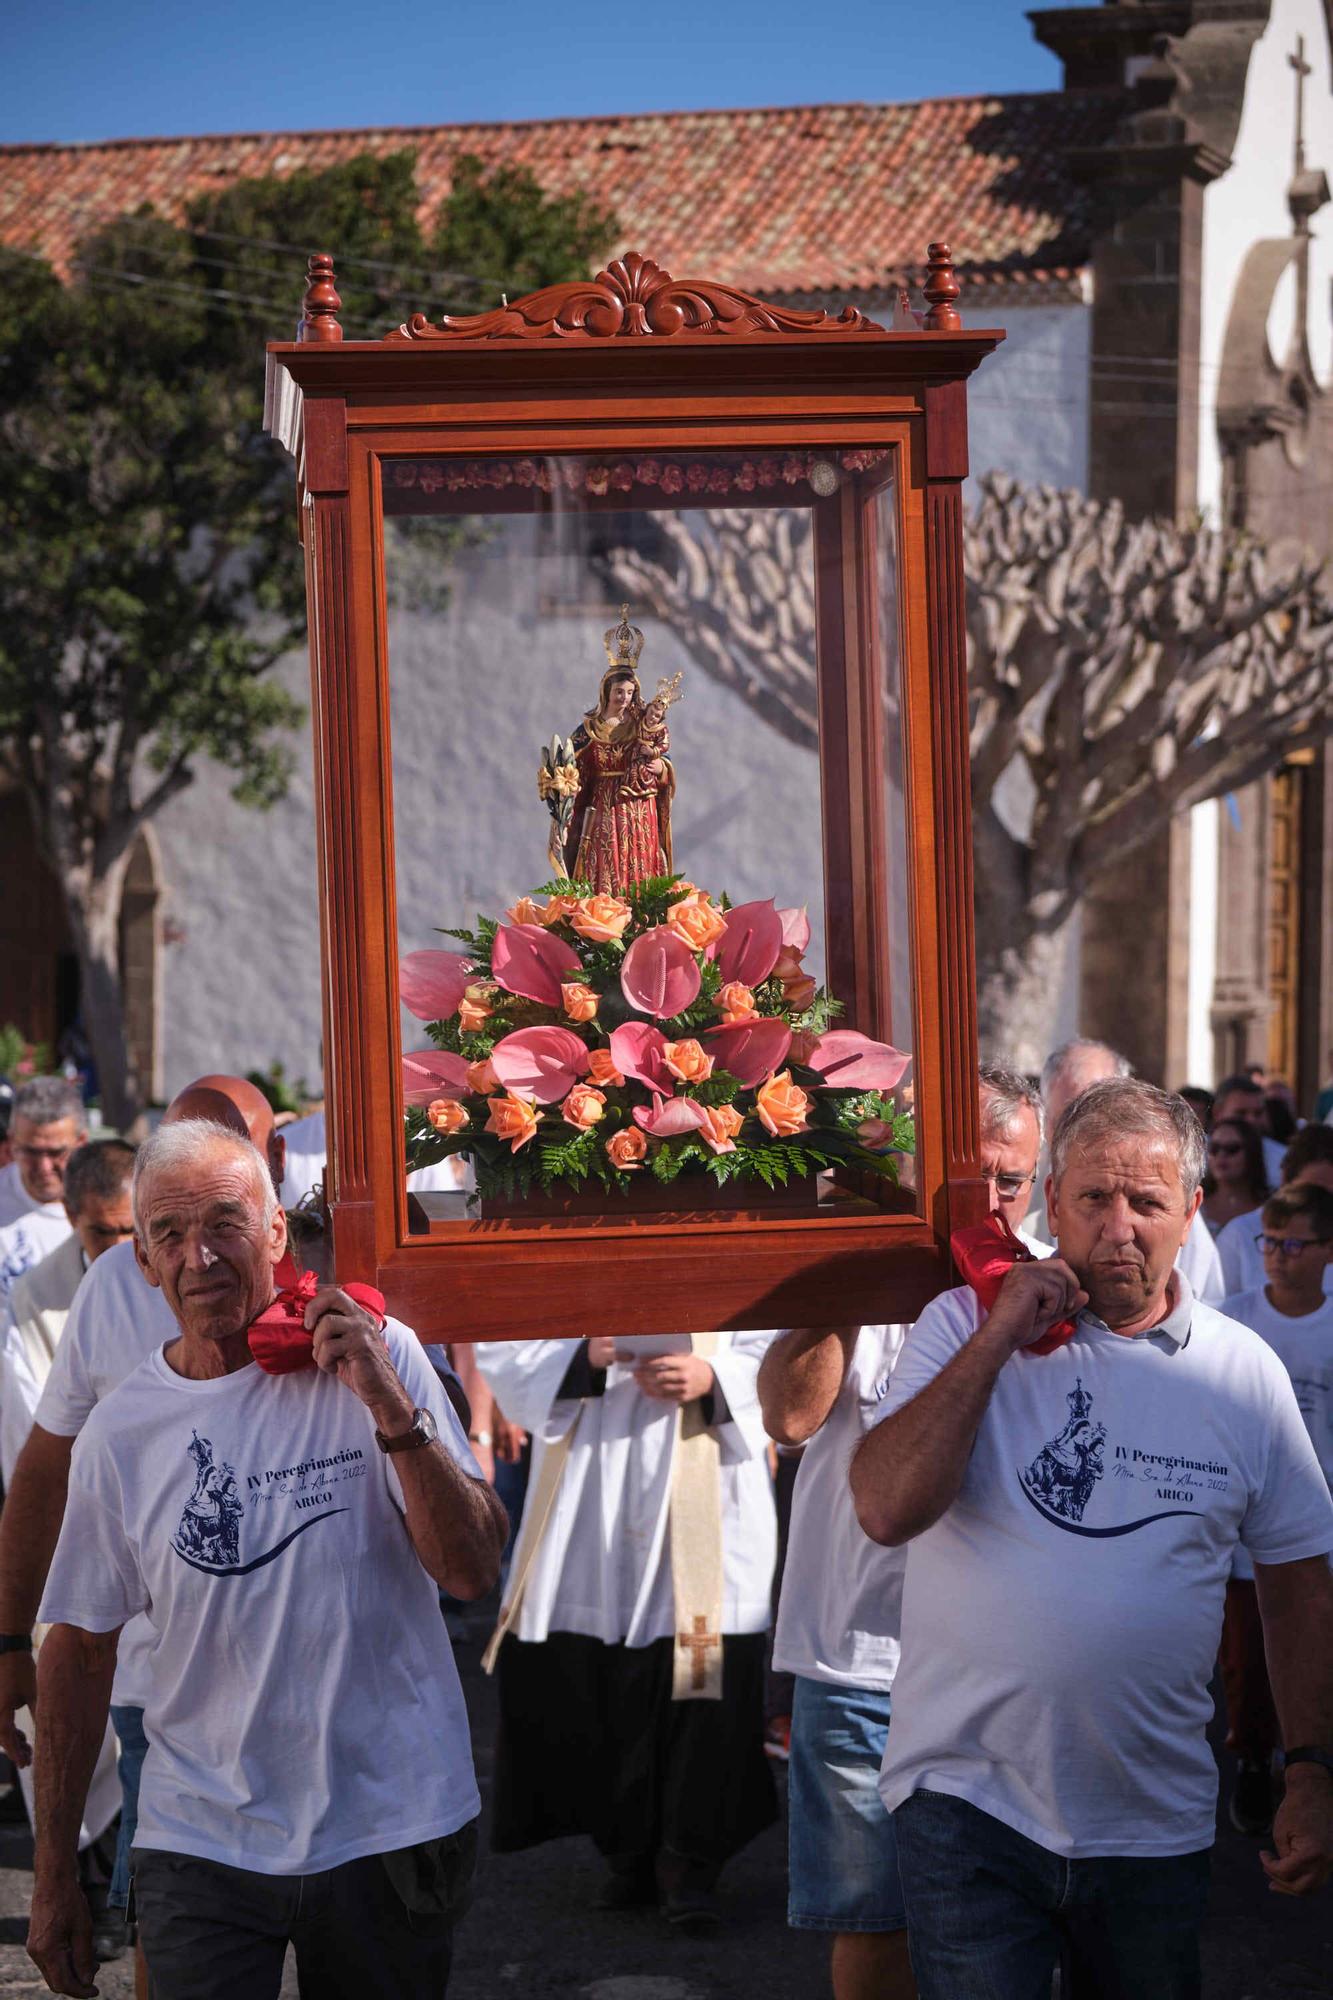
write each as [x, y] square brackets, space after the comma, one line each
[651, 745]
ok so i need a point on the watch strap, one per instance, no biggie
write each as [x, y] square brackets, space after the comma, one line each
[15, 1642]
[1308, 1753]
[423, 1432]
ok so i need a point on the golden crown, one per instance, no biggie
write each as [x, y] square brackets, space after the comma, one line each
[623, 642]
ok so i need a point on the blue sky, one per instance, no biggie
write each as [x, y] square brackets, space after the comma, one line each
[102, 69]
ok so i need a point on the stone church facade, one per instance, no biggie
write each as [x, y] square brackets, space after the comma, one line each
[1150, 237]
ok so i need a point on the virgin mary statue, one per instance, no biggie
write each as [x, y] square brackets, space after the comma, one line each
[620, 830]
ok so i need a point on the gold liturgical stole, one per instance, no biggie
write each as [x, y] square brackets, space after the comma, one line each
[695, 1527]
[696, 1550]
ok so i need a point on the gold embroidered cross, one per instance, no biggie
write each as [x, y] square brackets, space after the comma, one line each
[698, 1644]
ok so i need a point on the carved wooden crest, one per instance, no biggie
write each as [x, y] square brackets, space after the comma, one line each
[632, 298]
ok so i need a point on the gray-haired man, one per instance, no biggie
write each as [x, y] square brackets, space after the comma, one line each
[48, 1123]
[1072, 1514]
[309, 1775]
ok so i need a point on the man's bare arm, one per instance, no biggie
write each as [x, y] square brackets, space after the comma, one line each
[1296, 1605]
[800, 1378]
[29, 1530]
[907, 1471]
[74, 1678]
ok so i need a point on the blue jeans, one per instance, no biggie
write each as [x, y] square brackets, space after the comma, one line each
[842, 1855]
[128, 1725]
[990, 1914]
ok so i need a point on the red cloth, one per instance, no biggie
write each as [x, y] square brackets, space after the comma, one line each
[983, 1254]
[278, 1337]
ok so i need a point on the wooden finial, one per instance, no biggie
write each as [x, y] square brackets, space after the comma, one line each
[319, 321]
[941, 289]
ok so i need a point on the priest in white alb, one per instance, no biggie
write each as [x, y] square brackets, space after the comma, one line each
[630, 1648]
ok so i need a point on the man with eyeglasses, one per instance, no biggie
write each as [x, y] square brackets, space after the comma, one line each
[1292, 1311]
[838, 1617]
[48, 1123]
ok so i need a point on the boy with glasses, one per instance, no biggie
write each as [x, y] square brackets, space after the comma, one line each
[1293, 1314]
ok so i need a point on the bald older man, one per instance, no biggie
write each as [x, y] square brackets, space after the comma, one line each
[309, 1776]
[114, 1321]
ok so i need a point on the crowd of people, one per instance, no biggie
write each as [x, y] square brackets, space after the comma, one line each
[1021, 1535]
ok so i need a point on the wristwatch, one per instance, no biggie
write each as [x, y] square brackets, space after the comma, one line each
[15, 1642]
[483, 1438]
[424, 1430]
[1308, 1753]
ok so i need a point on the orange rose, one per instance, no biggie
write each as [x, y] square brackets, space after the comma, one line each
[736, 1002]
[557, 910]
[475, 1008]
[446, 1115]
[583, 1107]
[799, 993]
[602, 1069]
[685, 892]
[687, 1061]
[513, 1118]
[721, 1124]
[600, 919]
[696, 924]
[627, 1149]
[875, 1134]
[525, 911]
[481, 1078]
[579, 1000]
[781, 1105]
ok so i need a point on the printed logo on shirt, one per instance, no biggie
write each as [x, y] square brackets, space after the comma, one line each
[209, 1535]
[1063, 1478]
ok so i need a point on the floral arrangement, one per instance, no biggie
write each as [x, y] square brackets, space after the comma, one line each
[670, 475]
[595, 1037]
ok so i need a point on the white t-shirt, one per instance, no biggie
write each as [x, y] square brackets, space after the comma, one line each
[1304, 1346]
[306, 1141]
[838, 1615]
[26, 1241]
[302, 1705]
[1243, 1260]
[15, 1199]
[1061, 1619]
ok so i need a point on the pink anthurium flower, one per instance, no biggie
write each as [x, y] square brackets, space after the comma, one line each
[660, 975]
[430, 983]
[796, 928]
[541, 1063]
[669, 1117]
[432, 1073]
[748, 949]
[529, 961]
[636, 1050]
[750, 1050]
[850, 1061]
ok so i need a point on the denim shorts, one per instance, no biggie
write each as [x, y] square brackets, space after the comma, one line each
[842, 1854]
[128, 1725]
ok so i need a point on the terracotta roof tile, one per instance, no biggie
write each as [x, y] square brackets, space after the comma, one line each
[828, 198]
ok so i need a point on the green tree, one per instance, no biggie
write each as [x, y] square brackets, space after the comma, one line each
[149, 577]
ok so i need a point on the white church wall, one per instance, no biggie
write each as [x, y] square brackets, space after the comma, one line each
[1245, 205]
[1028, 403]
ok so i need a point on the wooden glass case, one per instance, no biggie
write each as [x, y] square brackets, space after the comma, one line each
[776, 497]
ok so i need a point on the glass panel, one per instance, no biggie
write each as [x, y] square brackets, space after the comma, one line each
[898, 1020]
[682, 740]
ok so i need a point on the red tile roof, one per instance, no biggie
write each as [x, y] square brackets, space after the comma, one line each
[825, 199]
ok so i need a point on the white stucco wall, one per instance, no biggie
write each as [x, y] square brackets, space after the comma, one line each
[1028, 404]
[1248, 204]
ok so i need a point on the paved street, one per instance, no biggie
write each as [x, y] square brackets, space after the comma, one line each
[531, 1935]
